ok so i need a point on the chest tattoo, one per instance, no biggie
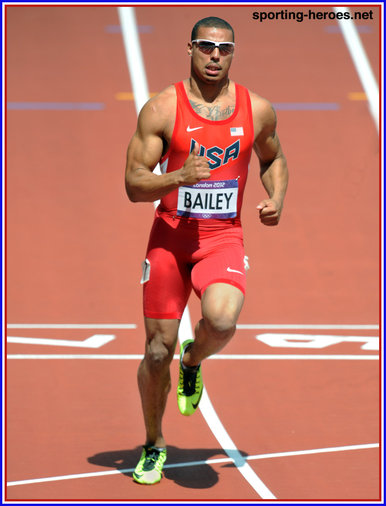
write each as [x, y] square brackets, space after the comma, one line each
[213, 113]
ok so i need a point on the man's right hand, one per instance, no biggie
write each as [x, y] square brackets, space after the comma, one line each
[195, 168]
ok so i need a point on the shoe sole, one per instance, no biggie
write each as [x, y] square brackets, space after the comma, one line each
[137, 480]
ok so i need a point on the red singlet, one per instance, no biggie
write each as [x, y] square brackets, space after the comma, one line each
[196, 239]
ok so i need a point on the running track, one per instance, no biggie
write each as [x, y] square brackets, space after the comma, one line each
[303, 413]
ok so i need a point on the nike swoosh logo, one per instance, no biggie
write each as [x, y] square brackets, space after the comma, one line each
[233, 270]
[198, 402]
[188, 129]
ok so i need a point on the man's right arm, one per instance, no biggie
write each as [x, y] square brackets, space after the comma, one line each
[145, 151]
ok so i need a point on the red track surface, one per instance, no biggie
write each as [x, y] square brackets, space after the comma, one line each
[75, 244]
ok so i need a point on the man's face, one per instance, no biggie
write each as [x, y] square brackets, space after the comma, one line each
[212, 66]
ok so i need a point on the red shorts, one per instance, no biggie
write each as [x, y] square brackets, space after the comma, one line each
[181, 257]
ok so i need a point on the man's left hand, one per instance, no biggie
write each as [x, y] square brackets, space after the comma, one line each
[269, 212]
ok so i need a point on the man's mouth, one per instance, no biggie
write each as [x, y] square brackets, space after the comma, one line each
[213, 69]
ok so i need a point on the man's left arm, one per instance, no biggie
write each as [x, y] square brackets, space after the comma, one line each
[273, 166]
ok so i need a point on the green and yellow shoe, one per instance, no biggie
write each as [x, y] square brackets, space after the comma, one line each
[149, 467]
[190, 385]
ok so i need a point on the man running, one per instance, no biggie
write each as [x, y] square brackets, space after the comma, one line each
[202, 132]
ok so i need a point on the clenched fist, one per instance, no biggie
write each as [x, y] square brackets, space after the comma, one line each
[269, 212]
[195, 168]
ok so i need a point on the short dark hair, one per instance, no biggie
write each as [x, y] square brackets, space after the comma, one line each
[212, 22]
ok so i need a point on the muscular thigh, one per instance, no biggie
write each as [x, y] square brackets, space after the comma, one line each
[166, 277]
[223, 262]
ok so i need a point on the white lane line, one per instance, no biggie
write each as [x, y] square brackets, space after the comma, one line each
[218, 429]
[298, 326]
[96, 341]
[295, 357]
[197, 463]
[315, 451]
[53, 356]
[134, 56]
[240, 326]
[230, 448]
[141, 94]
[65, 326]
[361, 62]
[316, 341]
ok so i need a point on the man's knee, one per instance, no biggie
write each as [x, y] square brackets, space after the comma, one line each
[221, 308]
[221, 323]
[161, 338]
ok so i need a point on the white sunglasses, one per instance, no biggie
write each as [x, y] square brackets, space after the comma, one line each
[207, 46]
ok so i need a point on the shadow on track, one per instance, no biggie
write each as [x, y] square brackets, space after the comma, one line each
[186, 467]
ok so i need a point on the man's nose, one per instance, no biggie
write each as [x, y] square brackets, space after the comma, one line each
[215, 55]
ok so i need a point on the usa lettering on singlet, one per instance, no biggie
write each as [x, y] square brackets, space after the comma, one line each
[226, 144]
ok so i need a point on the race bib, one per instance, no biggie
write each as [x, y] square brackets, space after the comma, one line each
[208, 199]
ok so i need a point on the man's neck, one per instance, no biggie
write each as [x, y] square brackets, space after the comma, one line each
[208, 92]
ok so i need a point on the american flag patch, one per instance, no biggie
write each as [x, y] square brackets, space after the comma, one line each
[236, 131]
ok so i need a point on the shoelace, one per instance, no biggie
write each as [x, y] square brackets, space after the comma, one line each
[189, 381]
[151, 458]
